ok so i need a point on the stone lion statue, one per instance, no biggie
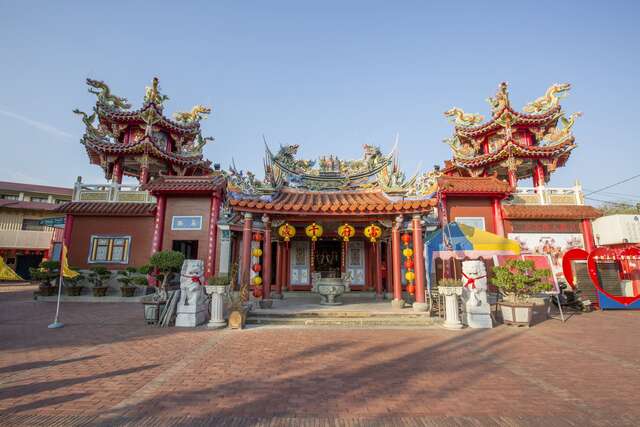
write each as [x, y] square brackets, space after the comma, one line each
[476, 311]
[191, 282]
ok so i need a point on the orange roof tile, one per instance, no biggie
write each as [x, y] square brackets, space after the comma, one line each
[550, 212]
[206, 183]
[107, 208]
[462, 184]
[334, 203]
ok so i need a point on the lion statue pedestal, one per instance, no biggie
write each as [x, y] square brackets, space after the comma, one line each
[192, 305]
[476, 311]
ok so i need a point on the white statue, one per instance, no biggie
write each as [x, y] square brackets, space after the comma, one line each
[476, 311]
[192, 305]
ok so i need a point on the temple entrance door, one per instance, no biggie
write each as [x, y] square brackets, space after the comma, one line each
[189, 248]
[328, 256]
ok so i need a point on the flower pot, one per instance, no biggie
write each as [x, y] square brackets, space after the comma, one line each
[516, 313]
[100, 291]
[46, 290]
[152, 310]
[127, 291]
[74, 291]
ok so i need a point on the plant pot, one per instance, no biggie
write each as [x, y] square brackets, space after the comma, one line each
[128, 291]
[516, 313]
[100, 291]
[74, 291]
[152, 310]
[46, 290]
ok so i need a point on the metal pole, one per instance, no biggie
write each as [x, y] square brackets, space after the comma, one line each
[56, 324]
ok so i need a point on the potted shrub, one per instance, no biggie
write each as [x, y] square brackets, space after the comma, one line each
[161, 267]
[519, 280]
[142, 280]
[73, 285]
[44, 274]
[99, 276]
[126, 279]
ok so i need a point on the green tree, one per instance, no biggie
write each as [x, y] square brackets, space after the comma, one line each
[519, 279]
[164, 264]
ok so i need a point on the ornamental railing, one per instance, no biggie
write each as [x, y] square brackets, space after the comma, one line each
[547, 196]
[111, 193]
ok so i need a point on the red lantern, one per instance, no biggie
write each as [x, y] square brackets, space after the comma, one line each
[257, 268]
[257, 237]
[257, 291]
[406, 238]
[408, 263]
[411, 289]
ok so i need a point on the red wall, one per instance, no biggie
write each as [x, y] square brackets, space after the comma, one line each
[188, 206]
[471, 206]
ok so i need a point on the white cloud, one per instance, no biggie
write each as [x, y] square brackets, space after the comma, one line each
[38, 125]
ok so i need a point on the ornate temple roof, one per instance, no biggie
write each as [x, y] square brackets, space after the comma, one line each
[107, 208]
[187, 184]
[467, 185]
[543, 212]
[144, 134]
[331, 202]
[510, 140]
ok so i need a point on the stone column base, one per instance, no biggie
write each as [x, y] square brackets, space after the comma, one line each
[420, 306]
[217, 324]
[454, 326]
[397, 303]
[276, 296]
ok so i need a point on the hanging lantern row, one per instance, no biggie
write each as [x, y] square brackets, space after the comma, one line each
[372, 232]
[346, 231]
[286, 231]
[257, 267]
[409, 275]
[314, 231]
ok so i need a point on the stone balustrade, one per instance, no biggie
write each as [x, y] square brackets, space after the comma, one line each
[547, 196]
[110, 193]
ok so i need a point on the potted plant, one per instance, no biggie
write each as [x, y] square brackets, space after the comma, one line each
[142, 280]
[218, 288]
[44, 274]
[73, 285]
[161, 267]
[127, 281]
[519, 280]
[99, 276]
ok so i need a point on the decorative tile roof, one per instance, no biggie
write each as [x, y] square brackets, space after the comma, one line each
[34, 206]
[466, 185]
[331, 203]
[31, 188]
[107, 208]
[186, 184]
[513, 149]
[550, 212]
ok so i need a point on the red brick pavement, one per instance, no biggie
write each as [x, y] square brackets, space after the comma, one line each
[107, 367]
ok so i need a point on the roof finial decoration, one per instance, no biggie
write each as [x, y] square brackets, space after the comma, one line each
[501, 100]
[549, 100]
[153, 95]
[458, 117]
[105, 97]
[197, 113]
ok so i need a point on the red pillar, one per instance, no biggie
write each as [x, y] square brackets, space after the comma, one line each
[377, 278]
[144, 175]
[68, 229]
[278, 268]
[266, 271]
[245, 262]
[389, 261]
[513, 179]
[210, 269]
[418, 260]
[158, 226]
[538, 175]
[587, 233]
[116, 174]
[497, 217]
[397, 261]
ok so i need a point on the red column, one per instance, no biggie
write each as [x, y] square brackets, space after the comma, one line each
[513, 179]
[116, 174]
[278, 268]
[266, 271]
[377, 278]
[245, 262]
[587, 233]
[418, 260]
[389, 261]
[538, 175]
[210, 269]
[158, 226]
[497, 216]
[68, 228]
[397, 261]
[144, 175]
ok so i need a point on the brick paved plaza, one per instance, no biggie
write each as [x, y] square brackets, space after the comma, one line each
[107, 368]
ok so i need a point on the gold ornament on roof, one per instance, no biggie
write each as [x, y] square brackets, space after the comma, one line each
[88, 122]
[197, 113]
[458, 117]
[557, 136]
[549, 100]
[501, 99]
[152, 93]
[103, 92]
[460, 151]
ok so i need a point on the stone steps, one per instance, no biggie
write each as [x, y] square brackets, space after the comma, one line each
[343, 319]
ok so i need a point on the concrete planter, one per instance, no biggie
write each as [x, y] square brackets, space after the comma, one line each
[217, 306]
[516, 313]
[330, 290]
[100, 291]
[127, 291]
[152, 311]
[74, 291]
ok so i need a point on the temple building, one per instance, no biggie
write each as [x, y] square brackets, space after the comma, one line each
[362, 220]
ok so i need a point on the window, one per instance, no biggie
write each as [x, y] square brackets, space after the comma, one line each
[471, 221]
[107, 249]
[32, 225]
[186, 223]
[39, 199]
[9, 197]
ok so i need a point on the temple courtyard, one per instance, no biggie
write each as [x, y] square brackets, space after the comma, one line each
[107, 368]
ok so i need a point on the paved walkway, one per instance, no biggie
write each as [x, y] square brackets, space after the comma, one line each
[107, 368]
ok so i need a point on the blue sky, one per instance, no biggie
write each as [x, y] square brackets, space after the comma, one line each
[329, 76]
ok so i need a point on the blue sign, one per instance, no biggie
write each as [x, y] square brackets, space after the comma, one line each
[186, 223]
[52, 222]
